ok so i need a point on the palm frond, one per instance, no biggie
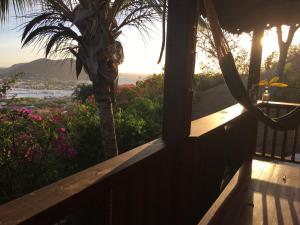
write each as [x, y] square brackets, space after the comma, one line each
[138, 16]
[34, 22]
[53, 40]
[19, 6]
[79, 66]
[60, 7]
[40, 31]
[115, 9]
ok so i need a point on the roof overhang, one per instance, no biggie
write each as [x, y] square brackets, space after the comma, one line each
[237, 16]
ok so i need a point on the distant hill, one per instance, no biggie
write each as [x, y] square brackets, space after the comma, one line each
[64, 70]
[44, 69]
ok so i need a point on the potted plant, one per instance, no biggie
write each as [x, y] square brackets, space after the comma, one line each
[273, 82]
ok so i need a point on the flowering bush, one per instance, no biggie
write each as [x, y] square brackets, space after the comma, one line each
[37, 149]
[34, 151]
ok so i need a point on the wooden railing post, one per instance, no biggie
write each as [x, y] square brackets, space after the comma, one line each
[255, 64]
[179, 68]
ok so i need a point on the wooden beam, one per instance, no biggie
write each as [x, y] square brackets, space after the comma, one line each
[255, 64]
[179, 68]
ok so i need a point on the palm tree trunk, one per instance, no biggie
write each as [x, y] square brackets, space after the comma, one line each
[102, 94]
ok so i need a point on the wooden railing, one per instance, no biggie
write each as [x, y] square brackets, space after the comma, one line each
[275, 144]
[156, 183]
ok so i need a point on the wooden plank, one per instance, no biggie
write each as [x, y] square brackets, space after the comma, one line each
[271, 196]
[263, 207]
[274, 136]
[208, 162]
[218, 206]
[265, 137]
[288, 186]
[283, 149]
[213, 121]
[295, 143]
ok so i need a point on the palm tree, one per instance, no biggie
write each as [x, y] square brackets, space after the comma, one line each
[89, 31]
[19, 6]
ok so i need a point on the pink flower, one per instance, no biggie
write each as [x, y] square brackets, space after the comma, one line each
[36, 118]
[25, 111]
[63, 147]
[61, 130]
[60, 140]
[56, 119]
[66, 150]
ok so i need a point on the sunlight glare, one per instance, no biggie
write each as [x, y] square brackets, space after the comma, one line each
[270, 42]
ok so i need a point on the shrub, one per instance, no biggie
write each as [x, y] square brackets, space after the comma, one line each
[82, 92]
[83, 125]
[6, 85]
[203, 82]
[139, 123]
[34, 151]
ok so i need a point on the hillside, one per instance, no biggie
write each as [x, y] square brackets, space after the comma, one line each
[44, 69]
[62, 70]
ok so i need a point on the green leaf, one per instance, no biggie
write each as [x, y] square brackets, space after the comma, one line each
[263, 83]
[274, 79]
[278, 85]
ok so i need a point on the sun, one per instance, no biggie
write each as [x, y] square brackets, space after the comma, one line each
[269, 42]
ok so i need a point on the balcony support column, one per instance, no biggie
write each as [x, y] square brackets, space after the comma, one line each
[255, 64]
[179, 69]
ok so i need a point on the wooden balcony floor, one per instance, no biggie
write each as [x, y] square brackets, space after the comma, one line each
[259, 193]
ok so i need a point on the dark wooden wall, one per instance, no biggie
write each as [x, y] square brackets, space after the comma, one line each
[178, 188]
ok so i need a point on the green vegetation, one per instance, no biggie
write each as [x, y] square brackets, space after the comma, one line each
[94, 45]
[272, 83]
[290, 93]
[40, 146]
[291, 75]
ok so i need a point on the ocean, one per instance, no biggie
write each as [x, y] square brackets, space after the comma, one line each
[56, 93]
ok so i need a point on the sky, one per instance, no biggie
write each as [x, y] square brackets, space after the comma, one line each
[141, 52]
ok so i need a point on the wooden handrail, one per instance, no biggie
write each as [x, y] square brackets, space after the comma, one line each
[208, 123]
[278, 104]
